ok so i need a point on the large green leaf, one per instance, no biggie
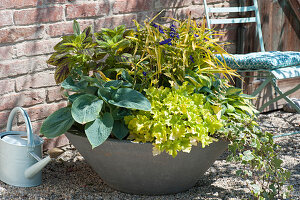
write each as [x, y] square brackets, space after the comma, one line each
[105, 93]
[86, 108]
[99, 130]
[129, 98]
[73, 97]
[119, 129]
[57, 123]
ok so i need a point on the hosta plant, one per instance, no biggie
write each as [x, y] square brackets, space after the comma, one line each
[161, 84]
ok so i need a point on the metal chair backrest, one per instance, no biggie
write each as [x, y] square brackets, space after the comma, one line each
[243, 9]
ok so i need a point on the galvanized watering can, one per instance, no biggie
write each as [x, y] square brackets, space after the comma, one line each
[20, 154]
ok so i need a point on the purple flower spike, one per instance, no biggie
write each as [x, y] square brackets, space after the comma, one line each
[154, 25]
[166, 41]
[196, 35]
[192, 59]
[144, 73]
[161, 30]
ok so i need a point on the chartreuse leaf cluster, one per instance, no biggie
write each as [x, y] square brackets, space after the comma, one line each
[177, 121]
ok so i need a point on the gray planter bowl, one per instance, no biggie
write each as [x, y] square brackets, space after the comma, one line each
[131, 167]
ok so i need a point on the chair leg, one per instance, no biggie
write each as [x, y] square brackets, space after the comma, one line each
[262, 86]
[282, 95]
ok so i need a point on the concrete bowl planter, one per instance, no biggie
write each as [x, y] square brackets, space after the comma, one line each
[131, 167]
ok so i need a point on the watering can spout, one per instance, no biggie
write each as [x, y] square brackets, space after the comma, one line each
[37, 167]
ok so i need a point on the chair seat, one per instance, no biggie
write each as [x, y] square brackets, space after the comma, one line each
[262, 60]
[287, 72]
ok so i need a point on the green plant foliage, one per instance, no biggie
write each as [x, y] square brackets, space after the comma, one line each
[99, 130]
[100, 106]
[169, 53]
[177, 121]
[106, 74]
[57, 123]
[249, 145]
[73, 52]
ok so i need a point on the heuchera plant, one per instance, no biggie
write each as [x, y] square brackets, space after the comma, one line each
[161, 84]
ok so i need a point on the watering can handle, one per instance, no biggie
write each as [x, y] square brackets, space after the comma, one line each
[27, 122]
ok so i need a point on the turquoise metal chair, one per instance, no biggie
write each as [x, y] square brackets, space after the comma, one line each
[272, 66]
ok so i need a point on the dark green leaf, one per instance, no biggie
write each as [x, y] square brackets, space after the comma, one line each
[125, 75]
[105, 93]
[57, 123]
[129, 98]
[115, 84]
[119, 129]
[120, 113]
[277, 162]
[99, 130]
[86, 108]
[70, 84]
[73, 97]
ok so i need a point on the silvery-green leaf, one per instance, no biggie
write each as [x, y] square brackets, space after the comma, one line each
[99, 130]
[57, 123]
[86, 108]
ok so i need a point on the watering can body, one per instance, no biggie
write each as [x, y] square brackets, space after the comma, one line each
[20, 154]
[14, 160]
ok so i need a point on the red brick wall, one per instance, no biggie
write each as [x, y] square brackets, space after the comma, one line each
[30, 28]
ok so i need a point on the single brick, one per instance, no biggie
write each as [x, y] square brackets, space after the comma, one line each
[38, 80]
[182, 13]
[6, 17]
[6, 52]
[121, 6]
[7, 86]
[215, 1]
[40, 47]
[110, 22]
[55, 1]
[38, 15]
[65, 28]
[22, 66]
[196, 11]
[5, 4]
[74, 11]
[3, 120]
[54, 94]
[172, 3]
[27, 98]
[197, 2]
[20, 34]
[40, 112]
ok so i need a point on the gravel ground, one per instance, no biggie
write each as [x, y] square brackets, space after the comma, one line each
[69, 177]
